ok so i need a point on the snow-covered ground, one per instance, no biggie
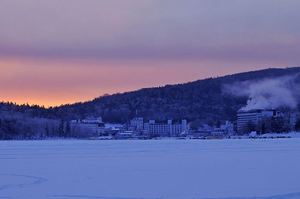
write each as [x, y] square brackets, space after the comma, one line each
[157, 169]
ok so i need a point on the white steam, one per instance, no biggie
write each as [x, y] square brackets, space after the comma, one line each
[267, 93]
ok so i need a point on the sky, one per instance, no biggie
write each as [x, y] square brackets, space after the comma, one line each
[64, 51]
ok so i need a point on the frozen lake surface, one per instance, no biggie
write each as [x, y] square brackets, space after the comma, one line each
[158, 169]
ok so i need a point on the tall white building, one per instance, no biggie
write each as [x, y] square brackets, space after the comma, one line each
[168, 129]
[253, 117]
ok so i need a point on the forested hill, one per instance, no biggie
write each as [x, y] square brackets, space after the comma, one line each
[203, 100]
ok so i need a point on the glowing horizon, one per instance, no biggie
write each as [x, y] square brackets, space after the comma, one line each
[60, 82]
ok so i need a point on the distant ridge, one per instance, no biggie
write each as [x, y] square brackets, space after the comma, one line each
[202, 100]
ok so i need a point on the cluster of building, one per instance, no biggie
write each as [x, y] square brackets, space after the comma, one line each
[95, 127]
[139, 128]
[211, 132]
[265, 120]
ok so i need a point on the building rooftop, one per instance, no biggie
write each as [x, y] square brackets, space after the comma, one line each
[255, 110]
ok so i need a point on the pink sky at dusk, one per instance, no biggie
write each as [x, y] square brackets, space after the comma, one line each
[56, 52]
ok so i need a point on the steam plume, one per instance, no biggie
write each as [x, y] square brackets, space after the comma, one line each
[270, 93]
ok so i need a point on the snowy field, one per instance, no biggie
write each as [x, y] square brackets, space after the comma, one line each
[162, 169]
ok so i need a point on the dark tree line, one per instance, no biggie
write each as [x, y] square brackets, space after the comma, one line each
[24, 127]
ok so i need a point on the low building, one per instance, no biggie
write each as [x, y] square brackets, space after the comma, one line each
[137, 124]
[124, 135]
[206, 131]
[91, 126]
[225, 129]
[199, 134]
[111, 129]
